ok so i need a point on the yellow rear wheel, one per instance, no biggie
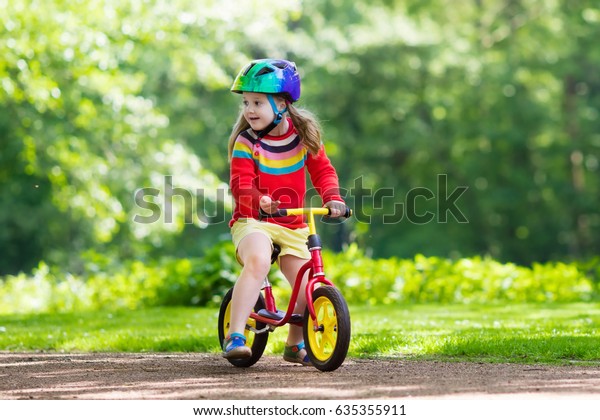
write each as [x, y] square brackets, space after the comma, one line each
[257, 342]
[247, 332]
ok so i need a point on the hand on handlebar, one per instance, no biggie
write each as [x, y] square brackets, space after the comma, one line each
[332, 209]
[336, 208]
[268, 205]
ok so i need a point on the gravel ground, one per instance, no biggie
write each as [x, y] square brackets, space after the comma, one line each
[197, 376]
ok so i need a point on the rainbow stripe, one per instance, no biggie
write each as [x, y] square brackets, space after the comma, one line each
[273, 157]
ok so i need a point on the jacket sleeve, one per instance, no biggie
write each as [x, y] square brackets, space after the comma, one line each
[323, 176]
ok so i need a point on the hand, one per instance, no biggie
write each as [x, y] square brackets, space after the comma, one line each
[337, 208]
[268, 205]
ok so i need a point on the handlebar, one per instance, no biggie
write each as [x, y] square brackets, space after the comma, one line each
[324, 211]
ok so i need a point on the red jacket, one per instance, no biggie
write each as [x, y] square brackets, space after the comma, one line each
[274, 166]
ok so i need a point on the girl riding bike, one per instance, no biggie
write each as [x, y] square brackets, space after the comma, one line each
[272, 144]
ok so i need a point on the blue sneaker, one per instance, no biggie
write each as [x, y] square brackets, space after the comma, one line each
[234, 347]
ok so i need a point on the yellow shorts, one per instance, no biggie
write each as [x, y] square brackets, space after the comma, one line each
[291, 241]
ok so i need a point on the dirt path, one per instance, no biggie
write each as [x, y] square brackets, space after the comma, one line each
[208, 376]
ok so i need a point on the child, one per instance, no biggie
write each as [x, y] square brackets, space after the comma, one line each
[271, 144]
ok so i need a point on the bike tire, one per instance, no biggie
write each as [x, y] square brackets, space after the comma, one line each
[256, 342]
[327, 348]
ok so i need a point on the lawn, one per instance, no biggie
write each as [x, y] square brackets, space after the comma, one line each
[521, 333]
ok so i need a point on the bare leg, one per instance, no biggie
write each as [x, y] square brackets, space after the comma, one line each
[255, 253]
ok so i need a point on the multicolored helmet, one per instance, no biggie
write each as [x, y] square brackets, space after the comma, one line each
[269, 76]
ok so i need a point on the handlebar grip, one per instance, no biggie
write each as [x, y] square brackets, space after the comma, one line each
[347, 212]
[278, 213]
[285, 212]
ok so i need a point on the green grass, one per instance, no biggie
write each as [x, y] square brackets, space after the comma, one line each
[523, 333]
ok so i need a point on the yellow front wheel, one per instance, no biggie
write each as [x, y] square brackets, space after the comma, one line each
[327, 346]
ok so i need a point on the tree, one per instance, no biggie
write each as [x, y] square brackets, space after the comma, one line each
[79, 135]
[417, 98]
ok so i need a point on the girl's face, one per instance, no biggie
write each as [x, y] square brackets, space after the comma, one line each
[258, 111]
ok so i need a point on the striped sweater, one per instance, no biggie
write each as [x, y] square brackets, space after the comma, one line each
[274, 166]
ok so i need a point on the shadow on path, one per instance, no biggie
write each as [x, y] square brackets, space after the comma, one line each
[208, 376]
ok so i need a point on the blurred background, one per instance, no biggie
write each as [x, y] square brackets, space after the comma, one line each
[114, 111]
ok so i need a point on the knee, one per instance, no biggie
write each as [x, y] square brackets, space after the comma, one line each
[257, 266]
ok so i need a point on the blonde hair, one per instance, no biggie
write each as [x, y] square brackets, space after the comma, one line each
[305, 122]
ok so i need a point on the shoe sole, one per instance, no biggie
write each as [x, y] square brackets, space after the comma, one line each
[296, 360]
[238, 353]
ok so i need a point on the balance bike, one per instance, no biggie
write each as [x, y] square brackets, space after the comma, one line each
[326, 319]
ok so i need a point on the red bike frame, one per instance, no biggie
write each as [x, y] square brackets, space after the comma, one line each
[314, 267]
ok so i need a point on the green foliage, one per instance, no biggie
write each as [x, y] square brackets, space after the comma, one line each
[168, 281]
[101, 98]
[466, 280]
[81, 131]
[108, 283]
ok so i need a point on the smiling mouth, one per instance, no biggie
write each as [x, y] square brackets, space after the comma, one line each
[253, 120]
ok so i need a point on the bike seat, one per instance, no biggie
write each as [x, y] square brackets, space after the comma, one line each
[275, 253]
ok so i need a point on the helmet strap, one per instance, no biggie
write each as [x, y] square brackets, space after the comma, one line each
[278, 118]
[276, 111]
